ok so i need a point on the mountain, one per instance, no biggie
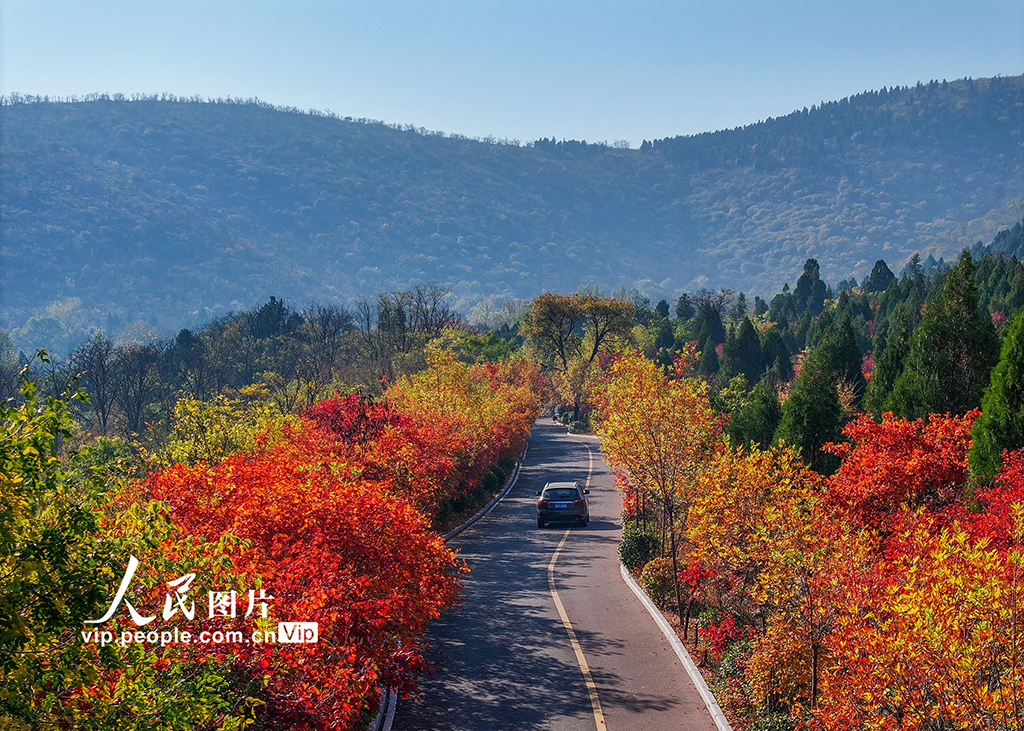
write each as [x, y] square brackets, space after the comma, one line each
[171, 211]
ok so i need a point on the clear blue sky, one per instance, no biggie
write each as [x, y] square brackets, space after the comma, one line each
[594, 70]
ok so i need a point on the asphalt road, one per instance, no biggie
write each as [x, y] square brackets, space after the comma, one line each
[505, 657]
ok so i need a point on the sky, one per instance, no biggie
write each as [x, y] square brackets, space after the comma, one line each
[594, 70]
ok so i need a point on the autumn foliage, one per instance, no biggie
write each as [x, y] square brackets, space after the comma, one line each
[884, 596]
[334, 514]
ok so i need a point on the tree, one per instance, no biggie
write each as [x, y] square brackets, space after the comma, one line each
[66, 531]
[952, 352]
[739, 308]
[95, 363]
[775, 355]
[880, 278]
[708, 316]
[138, 384]
[604, 319]
[812, 416]
[658, 429]
[754, 424]
[846, 358]
[661, 309]
[684, 307]
[895, 345]
[810, 292]
[550, 327]
[1001, 424]
[708, 365]
[665, 338]
[741, 354]
[552, 335]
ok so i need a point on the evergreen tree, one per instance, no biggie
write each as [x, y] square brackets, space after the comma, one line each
[661, 309]
[810, 291]
[709, 317]
[952, 352]
[812, 416]
[802, 329]
[776, 355]
[880, 278]
[703, 338]
[739, 309]
[845, 357]
[755, 423]
[1001, 424]
[741, 354]
[891, 348]
[665, 337]
[708, 365]
[684, 307]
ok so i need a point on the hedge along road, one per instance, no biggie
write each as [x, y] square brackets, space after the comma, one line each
[506, 658]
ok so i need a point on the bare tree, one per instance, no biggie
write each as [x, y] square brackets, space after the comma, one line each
[190, 358]
[325, 330]
[94, 362]
[398, 323]
[138, 383]
[718, 301]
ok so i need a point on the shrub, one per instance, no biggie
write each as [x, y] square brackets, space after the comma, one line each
[577, 427]
[734, 659]
[637, 547]
[656, 580]
[772, 722]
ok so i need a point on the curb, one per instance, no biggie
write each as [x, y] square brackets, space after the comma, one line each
[386, 713]
[494, 501]
[680, 649]
[389, 698]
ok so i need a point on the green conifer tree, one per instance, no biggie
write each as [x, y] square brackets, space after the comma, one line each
[812, 416]
[776, 356]
[952, 352]
[755, 423]
[845, 356]
[1001, 424]
[708, 365]
[741, 354]
[891, 348]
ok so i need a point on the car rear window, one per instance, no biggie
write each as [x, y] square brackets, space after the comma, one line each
[561, 493]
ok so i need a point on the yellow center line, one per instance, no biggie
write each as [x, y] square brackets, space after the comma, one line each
[595, 702]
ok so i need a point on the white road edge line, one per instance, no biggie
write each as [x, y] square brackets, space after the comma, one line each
[681, 652]
[595, 702]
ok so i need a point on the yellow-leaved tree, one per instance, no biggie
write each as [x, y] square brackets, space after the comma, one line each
[659, 429]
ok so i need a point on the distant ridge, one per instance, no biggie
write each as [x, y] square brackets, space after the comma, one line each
[172, 211]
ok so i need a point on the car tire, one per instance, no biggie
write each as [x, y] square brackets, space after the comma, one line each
[584, 521]
[540, 523]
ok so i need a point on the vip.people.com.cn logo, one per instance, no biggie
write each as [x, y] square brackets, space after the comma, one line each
[220, 604]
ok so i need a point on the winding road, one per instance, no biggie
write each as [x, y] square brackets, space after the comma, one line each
[512, 655]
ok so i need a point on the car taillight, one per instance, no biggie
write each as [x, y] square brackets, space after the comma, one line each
[542, 503]
[580, 500]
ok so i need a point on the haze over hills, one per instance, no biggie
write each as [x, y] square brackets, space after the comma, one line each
[171, 212]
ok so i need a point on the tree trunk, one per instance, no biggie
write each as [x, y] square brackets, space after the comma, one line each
[814, 674]
[675, 570]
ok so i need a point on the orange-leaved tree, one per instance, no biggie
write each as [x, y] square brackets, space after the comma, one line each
[330, 548]
[932, 638]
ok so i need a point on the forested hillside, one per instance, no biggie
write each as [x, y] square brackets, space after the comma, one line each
[126, 214]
